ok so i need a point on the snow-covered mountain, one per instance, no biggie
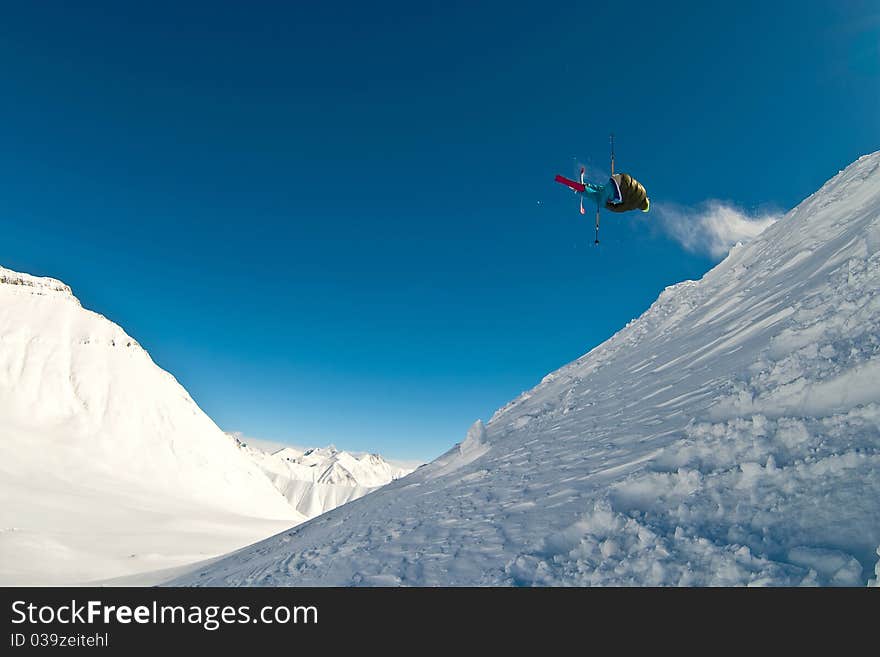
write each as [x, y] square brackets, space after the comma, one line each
[730, 435]
[107, 465]
[316, 480]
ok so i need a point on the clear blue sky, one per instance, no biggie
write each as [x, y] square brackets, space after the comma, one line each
[325, 220]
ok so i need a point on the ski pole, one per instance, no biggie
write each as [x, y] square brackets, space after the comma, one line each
[612, 153]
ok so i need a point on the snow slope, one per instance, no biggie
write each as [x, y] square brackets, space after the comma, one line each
[730, 435]
[316, 480]
[107, 466]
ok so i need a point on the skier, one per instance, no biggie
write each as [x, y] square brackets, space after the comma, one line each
[621, 193]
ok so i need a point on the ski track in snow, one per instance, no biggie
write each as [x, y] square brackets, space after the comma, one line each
[729, 436]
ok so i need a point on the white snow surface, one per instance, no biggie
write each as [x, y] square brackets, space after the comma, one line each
[317, 480]
[729, 436]
[107, 466]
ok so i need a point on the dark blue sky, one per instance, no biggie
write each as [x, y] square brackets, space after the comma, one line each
[339, 223]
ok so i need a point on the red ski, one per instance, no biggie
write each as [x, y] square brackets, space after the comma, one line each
[574, 184]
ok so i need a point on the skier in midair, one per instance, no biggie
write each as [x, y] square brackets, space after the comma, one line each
[621, 193]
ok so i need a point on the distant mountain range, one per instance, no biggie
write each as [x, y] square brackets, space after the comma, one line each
[316, 480]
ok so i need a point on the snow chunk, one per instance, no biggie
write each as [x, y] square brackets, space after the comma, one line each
[876, 580]
[832, 566]
[475, 438]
